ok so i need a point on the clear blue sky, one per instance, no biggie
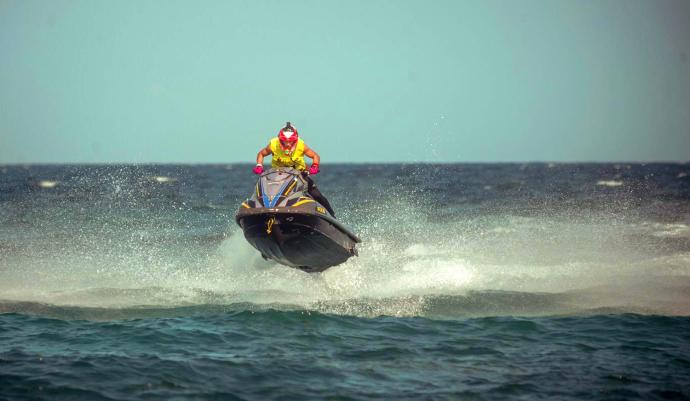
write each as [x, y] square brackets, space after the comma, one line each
[363, 80]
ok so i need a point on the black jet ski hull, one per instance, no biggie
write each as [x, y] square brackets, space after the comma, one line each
[299, 239]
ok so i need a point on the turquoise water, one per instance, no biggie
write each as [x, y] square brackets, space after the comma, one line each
[473, 282]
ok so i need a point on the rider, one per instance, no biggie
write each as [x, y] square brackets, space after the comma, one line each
[288, 150]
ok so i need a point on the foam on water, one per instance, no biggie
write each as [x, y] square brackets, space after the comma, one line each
[47, 184]
[413, 261]
[162, 179]
[610, 183]
[404, 268]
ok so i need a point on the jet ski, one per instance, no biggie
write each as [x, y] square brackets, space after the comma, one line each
[286, 224]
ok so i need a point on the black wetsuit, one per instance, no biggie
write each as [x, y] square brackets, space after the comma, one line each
[317, 195]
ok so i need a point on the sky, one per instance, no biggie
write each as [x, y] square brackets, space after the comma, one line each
[165, 81]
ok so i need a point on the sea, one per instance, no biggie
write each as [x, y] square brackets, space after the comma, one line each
[535, 281]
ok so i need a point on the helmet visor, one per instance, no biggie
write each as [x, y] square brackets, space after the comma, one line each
[288, 136]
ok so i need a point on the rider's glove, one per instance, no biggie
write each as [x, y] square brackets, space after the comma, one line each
[314, 169]
[258, 169]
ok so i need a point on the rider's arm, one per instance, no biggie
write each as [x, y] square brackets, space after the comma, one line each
[263, 152]
[311, 154]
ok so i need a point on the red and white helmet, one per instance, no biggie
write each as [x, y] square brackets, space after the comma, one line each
[288, 135]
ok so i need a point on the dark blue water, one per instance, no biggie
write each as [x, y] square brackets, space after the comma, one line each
[302, 355]
[505, 281]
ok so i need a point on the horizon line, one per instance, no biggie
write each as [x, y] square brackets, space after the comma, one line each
[12, 164]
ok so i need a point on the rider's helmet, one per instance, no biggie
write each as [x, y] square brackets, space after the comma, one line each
[288, 136]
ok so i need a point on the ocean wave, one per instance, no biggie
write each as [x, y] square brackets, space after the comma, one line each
[163, 179]
[472, 304]
[45, 184]
[610, 183]
[672, 230]
[590, 265]
[663, 297]
[113, 240]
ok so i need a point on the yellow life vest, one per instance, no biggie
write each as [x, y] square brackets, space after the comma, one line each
[282, 158]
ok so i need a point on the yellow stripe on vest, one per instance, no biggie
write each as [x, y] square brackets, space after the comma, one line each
[283, 159]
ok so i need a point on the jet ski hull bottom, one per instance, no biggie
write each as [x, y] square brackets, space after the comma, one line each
[302, 240]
